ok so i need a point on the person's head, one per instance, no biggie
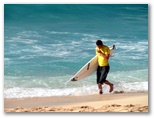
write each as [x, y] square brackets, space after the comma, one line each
[99, 43]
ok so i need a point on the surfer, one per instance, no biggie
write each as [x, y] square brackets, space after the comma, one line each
[103, 53]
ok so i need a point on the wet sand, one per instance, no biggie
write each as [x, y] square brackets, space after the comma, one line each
[117, 102]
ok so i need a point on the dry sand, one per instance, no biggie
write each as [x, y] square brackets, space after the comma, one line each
[120, 102]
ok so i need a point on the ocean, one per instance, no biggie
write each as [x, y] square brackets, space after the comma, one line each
[46, 44]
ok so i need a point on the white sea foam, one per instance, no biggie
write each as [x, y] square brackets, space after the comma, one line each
[17, 92]
[27, 57]
[106, 40]
[76, 42]
[19, 39]
[28, 34]
[54, 32]
[90, 35]
[30, 86]
[73, 33]
[11, 52]
[6, 59]
[135, 51]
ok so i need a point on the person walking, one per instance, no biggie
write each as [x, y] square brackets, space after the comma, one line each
[103, 53]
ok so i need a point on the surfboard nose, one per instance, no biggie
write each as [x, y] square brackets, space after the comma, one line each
[114, 47]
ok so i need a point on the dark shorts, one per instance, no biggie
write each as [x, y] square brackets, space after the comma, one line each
[102, 72]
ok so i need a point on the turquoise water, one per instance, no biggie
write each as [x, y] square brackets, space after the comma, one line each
[46, 44]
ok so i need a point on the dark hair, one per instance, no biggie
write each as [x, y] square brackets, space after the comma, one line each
[99, 42]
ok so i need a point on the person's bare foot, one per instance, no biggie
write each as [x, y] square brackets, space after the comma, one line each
[100, 92]
[111, 88]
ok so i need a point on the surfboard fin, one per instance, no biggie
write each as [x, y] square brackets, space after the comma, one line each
[73, 79]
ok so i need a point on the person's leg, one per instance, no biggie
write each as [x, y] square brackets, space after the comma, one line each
[100, 88]
[98, 80]
[104, 74]
[110, 84]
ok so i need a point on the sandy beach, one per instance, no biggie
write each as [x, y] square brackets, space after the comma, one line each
[117, 102]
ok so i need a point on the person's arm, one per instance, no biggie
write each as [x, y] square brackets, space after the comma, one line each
[106, 56]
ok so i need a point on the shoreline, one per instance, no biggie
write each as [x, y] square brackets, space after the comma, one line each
[117, 102]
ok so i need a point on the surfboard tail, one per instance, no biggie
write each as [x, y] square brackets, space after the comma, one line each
[73, 79]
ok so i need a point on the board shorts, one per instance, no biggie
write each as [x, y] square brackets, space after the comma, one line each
[102, 72]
